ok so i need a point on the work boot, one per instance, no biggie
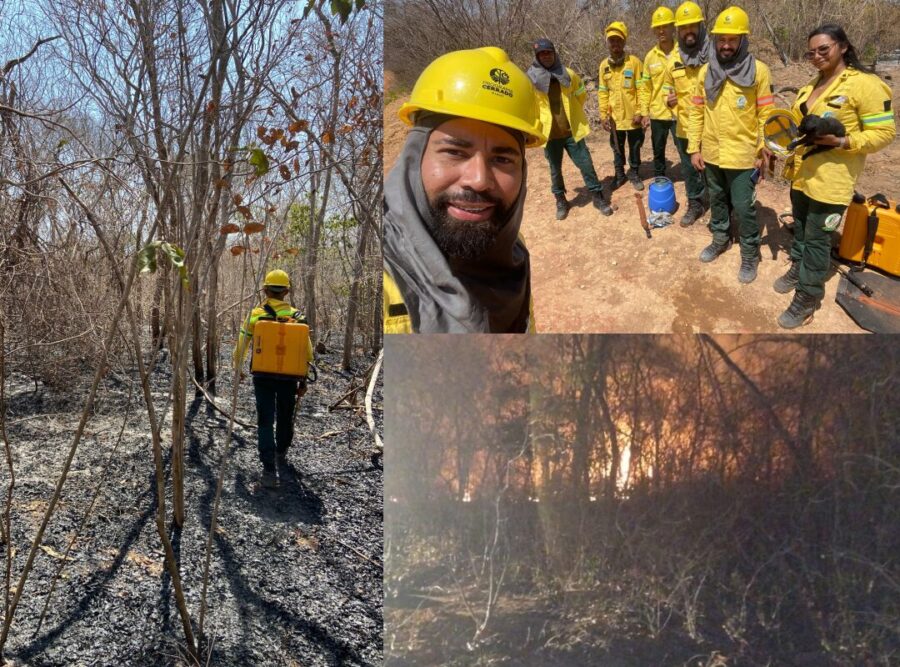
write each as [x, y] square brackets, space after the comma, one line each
[269, 480]
[788, 282]
[562, 207]
[695, 211]
[800, 311]
[635, 179]
[713, 250]
[747, 274]
[601, 203]
[619, 180]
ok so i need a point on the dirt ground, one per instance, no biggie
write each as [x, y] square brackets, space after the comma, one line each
[296, 574]
[598, 274]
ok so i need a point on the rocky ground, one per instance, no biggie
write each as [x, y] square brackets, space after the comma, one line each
[296, 574]
[597, 274]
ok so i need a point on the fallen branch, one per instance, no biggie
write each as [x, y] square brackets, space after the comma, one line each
[331, 433]
[369, 418]
[355, 550]
[344, 397]
[212, 402]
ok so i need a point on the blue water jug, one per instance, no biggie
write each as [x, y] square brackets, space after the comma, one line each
[662, 195]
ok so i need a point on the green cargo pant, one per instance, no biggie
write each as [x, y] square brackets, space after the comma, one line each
[693, 179]
[812, 244]
[733, 186]
[580, 155]
[634, 139]
[659, 131]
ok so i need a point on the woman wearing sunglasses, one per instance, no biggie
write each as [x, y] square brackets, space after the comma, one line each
[823, 183]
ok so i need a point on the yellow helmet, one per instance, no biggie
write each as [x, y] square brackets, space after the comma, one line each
[688, 13]
[617, 28]
[732, 21]
[662, 16]
[277, 278]
[482, 84]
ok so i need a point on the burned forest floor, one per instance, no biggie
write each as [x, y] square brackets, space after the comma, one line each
[296, 572]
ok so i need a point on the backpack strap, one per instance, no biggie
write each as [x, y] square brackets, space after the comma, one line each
[270, 312]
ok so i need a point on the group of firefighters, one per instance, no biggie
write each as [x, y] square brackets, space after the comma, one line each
[453, 257]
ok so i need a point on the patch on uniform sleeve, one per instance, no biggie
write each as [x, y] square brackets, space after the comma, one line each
[397, 309]
[741, 102]
[832, 222]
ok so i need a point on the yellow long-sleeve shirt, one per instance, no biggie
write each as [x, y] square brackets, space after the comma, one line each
[862, 102]
[683, 78]
[655, 87]
[396, 316]
[573, 98]
[620, 92]
[728, 132]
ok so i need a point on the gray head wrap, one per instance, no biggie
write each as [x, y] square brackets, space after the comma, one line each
[741, 70]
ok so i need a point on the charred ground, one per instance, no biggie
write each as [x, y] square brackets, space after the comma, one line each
[296, 574]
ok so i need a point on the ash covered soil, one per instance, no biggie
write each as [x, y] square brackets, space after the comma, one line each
[296, 572]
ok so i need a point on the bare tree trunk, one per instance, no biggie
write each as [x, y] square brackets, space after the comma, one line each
[179, 397]
[212, 330]
[352, 305]
[197, 347]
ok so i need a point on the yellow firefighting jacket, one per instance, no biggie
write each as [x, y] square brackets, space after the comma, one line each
[573, 99]
[620, 91]
[655, 64]
[862, 102]
[683, 79]
[282, 309]
[396, 317]
[728, 132]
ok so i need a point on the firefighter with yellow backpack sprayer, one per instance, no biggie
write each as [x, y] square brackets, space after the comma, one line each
[281, 357]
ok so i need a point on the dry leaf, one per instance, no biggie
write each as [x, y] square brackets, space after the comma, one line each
[327, 137]
[229, 228]
[253, 227]
[261, 131]
[237, 199]
[305, 542]
[237, 250]
[285, 172]
[50, 551]
[298, 126]
[245, 211]
[145, 562]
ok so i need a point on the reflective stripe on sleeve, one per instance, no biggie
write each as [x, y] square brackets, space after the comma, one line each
[697, 100]
[764, 101]
[603, 88]
[580, 90]
[878, 119]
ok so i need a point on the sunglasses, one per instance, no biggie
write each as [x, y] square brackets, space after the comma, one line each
[823, 51]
